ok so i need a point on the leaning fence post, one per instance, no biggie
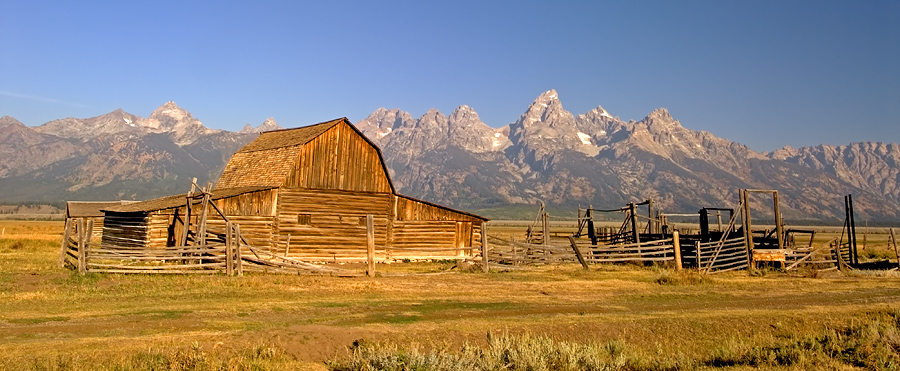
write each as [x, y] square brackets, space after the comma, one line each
[897, 253]
[578, 253]
[676, 244]
[485, 262]
[65, 243]
[81, 248]
[370, 245]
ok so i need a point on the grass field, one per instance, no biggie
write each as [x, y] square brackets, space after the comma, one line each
[616, 317]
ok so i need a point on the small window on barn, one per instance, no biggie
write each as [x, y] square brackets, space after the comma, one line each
[362, 221]
[304, 219]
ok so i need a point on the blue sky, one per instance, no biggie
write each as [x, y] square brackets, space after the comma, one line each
[763, 73]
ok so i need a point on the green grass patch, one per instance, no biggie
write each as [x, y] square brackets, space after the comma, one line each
[37, 320]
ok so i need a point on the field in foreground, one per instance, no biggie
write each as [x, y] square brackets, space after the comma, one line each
[625, 317]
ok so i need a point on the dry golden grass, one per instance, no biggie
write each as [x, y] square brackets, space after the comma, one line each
[51, 318]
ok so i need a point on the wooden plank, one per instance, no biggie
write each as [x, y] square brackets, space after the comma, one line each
[229, 250]
[578, 253]
[65, 242]
[370, 245]
[485, 260]
[676, 245]
[240, 260]
[81, 246]
[896, 252]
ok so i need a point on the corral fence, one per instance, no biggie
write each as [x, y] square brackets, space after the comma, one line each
[716, 256]
[79, 252]
[227, 253]
[711, 257]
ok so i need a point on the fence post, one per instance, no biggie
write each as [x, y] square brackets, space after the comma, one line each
[697, 252]
[485, 262]
[240, 261]
[81, 263]
[65, 243]
[894, 241]
[677, 245]
[370, 245]
[287, 245]
[578, 253]
[229, 258]
[89, 233]
[545, 225]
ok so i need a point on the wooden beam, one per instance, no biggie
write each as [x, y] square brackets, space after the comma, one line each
[578, 253]
[779, 224]
[240, 260]
[370, 245]
[187, 214]
[65, 243]
[203, 215]
[896, 252]
[229, 250]
[677, 245]
[80, 232]
[485, 262]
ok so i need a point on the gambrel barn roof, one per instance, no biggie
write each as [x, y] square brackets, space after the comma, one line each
[318, 160]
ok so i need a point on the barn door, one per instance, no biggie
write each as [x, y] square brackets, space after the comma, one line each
[464, 238]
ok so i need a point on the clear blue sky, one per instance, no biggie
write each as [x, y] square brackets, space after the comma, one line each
[763, 73]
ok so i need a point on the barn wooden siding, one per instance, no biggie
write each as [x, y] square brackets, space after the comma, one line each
[334, 220]
[126, 229]
[159, 223]
[409, 209]
[423, 230]
[342, 159]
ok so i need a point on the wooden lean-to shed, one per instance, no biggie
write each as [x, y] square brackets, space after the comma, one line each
[305, 193]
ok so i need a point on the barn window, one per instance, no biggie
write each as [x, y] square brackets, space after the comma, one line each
[304, 219]
[362, 221]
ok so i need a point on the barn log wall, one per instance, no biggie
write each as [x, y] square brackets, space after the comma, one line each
[423, 230]
[260, 203]
[339, 159]
[412, 209]
[126, 229]
[336, 228]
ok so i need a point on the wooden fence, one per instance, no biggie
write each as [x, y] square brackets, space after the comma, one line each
[79, 252]
[230, 254]
[649, 251]
[518, 253]
[716, 256]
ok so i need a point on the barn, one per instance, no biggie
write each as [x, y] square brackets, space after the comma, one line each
[303, 193]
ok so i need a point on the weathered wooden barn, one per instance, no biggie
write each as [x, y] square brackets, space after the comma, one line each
[304, 193]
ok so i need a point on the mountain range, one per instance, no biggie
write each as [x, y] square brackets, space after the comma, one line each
[547, 155]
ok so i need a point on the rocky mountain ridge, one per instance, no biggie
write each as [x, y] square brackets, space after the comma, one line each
[546, 155]
[117, 155]
[550, 155]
